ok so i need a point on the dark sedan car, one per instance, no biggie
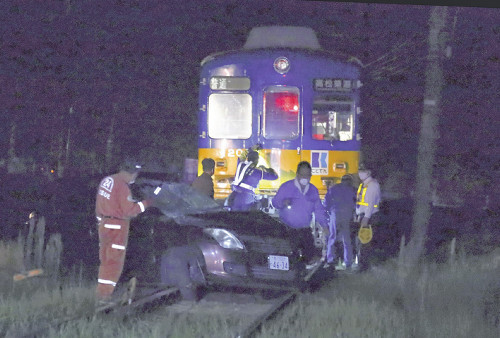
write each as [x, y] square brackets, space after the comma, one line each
[190, 241]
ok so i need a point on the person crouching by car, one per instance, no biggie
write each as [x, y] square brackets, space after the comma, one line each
[114, 209]
[246, 180]
[204, 183]
[297, 200]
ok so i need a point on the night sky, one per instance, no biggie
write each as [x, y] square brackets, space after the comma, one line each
[139, 62]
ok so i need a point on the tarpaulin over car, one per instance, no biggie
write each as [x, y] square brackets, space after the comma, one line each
[177, 199]
[187, 205]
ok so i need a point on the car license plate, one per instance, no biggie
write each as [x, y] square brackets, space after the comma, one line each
[278, 263]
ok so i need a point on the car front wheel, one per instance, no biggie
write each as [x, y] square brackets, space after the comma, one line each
[181, 267]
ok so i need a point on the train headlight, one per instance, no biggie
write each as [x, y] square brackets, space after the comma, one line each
[281, 65]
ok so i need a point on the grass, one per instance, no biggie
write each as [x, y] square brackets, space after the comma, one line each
[460, 298]
[438, 300]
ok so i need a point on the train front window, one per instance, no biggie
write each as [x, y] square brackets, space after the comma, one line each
[333, 118]
[281, 113]
[230, 116]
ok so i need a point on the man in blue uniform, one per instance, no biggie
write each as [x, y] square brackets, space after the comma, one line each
[296, 201]
[246, 180]
[340, 202]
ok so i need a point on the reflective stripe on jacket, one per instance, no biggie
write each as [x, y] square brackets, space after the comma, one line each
[368, 197]
[361, 201]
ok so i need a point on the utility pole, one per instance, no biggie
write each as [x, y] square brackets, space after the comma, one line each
[11, 154]
[428, 134]
[68, 139]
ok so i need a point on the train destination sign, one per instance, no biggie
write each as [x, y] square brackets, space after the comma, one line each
[229, 83]
[329, 84]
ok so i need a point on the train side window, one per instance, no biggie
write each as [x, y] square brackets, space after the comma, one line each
[281, 113]
[332, 119]
[230, 116]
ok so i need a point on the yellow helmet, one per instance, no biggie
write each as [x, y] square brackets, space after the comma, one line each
[365, 235]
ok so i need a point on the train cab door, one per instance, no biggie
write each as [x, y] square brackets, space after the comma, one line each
[281, 129]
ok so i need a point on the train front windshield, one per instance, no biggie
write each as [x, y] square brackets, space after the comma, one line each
[230, 116]
[281, 113]
[333, 118]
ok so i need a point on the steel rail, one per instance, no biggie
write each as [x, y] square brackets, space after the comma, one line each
[118, 308]
[121, 308]
[251, 328]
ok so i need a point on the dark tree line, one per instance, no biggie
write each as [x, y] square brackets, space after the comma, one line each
[82, 82]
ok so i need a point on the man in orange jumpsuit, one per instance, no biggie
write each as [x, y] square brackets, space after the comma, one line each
[114, 209]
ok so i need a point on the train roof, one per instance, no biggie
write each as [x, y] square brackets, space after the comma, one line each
[341, 57]
[272, 38]
[282, 36]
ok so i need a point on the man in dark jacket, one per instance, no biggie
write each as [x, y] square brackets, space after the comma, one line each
[340, 202]
[204, 183]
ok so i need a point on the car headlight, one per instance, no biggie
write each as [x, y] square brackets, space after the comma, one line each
[225, 239]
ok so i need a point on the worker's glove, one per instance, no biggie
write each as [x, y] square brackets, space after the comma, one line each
[287, 203]
[136, 193]
[267, 170]
[256, 147]
[243, 155]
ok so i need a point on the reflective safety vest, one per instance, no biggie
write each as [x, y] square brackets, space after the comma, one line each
[243, 170]
[360, 200]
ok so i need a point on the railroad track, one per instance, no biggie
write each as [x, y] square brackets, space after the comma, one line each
[130, 302]
[254, 310]
[250, 307]
[251, 310]
[275, 307]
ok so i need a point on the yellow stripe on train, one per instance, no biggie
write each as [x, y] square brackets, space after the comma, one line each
[285, 163]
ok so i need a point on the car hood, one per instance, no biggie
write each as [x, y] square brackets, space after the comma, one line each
[242, 222]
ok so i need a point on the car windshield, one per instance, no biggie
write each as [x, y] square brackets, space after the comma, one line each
[177, 199]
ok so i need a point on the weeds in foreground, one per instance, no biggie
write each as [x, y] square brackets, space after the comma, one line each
[435, 300]
[457, 299]
[11, 261]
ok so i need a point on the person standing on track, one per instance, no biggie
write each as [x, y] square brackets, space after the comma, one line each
[297, 200]
[368, 200]
[114, 209]
[340, 202]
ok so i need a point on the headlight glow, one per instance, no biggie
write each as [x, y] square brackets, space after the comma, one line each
[225, 239]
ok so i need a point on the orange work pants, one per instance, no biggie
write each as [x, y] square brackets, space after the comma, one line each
[113, 238]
